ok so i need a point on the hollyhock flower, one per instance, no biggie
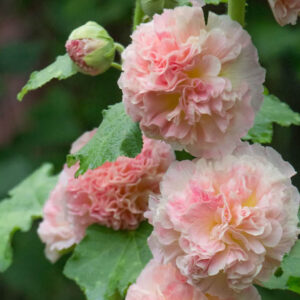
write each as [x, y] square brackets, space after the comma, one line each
[195, 85]
[226, 223]
[114, 194]
[164, 282]
[58, 229]
[285, 11]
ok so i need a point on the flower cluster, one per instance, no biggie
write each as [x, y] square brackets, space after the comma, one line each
[226, 223]
[197, 86]
[221, 222]
[114, 194]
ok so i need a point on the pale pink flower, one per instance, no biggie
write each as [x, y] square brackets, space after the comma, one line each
[226, 223]
[285, 11]
[164, 282]
[58, 229]
[115, 195]
[195, 85]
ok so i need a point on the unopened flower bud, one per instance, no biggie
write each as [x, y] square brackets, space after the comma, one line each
[91, 48]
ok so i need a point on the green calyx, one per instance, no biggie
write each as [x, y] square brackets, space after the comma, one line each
[90, 30]
[102, 57]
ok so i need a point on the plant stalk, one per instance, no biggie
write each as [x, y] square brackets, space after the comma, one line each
[237, 10]
[116, 66]
[138, 14]
[119, 48]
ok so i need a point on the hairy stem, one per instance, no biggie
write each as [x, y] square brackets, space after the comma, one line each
[236, 10]
[138, 14]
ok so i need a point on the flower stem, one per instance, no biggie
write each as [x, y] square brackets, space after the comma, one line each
[138, 14]
[236, 10]
[119, 48]
[116, 66]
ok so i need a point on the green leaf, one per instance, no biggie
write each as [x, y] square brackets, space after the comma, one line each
[294, 284]
[62, 68]
[183, 155]
[24, 205]
[116, 136]
[288, 275]
[267, 294]
[272, 111]
[106, 262]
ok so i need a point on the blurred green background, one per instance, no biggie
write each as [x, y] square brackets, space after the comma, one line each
[41, 128]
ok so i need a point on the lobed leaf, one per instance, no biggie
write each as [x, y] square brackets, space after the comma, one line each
[106, 261]
[116, 136]
[25, 203]
[272, 111]
[62, 68]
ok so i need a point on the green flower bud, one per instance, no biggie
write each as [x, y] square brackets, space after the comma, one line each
[91, 48]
